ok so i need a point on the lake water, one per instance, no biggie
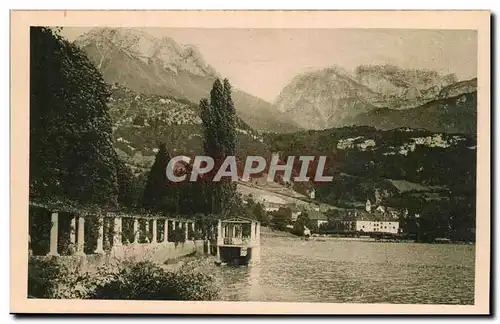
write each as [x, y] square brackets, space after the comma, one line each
[294, 270]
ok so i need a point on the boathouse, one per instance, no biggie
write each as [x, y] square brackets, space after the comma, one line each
[238, 241]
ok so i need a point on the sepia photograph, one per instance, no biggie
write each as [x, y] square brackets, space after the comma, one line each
[288, 163]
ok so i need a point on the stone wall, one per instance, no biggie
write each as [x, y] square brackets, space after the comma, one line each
[158, 253]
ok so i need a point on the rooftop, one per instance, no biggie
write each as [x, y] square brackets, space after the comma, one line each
[316, 215]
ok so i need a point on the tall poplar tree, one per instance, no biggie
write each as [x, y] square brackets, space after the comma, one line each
[219, 124]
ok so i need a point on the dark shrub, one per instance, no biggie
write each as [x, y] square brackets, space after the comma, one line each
[44, 276]
[177, 235]
[147, 281]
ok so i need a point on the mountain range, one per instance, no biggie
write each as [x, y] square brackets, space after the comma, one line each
[160, 66]
[384, 97]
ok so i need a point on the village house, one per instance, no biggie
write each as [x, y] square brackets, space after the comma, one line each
[349, 220]
[317, 217]
[371, 219]
[296, 211]
[377, 220]
[371, 226]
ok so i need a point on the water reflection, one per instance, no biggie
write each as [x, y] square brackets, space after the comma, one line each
[253, 279]
[361, 272]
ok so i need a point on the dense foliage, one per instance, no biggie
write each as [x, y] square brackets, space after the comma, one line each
[71, 150]
[147, 281]
[43, 277]
[281, 219]
[159, 194]
[48, 278]
[303, 221]
[177, 235]
[256, 211]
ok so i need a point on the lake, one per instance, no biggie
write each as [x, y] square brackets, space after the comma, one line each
[293, 270]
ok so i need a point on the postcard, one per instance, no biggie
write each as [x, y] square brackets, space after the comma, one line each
[250, 162]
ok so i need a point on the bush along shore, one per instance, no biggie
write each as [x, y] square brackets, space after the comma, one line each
[49, 279]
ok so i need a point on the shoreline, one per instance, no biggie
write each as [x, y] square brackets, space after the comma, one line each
[375, 240]
[268, 233]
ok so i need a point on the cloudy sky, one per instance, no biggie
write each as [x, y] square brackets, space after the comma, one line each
[263, 61]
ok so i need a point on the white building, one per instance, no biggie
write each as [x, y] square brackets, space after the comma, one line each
[377, 226]
[270, 209]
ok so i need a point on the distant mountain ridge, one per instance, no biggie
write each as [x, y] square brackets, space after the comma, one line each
[163, 51]
[403, 88]
[325, 98]
[381, 96]
[454, 112]
[159, 66]
[458, 88]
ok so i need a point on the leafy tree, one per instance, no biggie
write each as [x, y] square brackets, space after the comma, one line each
[71, 150]
[192, 198]
[219, 125]
[260, 214]
[159, 194]
[298, 229]
[229, 121]
[281, 218]
[177, 235]
[127, 185]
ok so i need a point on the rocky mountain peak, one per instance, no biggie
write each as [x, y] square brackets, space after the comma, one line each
[148, 48]
[324, 98]
[456, 89]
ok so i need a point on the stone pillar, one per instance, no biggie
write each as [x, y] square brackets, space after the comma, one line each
[80, 236]
[100, 236]
[54, 234]
[258, 232]
[220, 239]
[146, 230]
[72, 231]
[136, 231]
[192, 229]
[154, 238]
[165, 232]
[117, 231]
[186, 230]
